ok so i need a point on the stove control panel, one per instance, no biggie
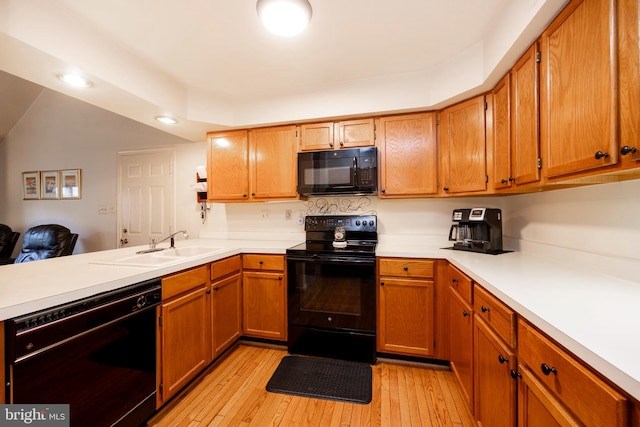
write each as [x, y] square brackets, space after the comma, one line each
[350, 223]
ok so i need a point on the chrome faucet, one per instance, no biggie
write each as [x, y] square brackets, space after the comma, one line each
[153, 243]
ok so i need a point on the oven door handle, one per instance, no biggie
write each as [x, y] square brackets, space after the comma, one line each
[333, 259]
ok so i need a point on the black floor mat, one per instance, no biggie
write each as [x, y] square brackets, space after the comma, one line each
[329, 379]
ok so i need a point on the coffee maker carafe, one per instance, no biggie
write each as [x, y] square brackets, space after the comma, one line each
[477, 230]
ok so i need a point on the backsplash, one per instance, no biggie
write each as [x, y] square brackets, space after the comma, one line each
[338, 205]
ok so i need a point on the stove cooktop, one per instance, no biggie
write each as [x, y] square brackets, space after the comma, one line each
[360, 248]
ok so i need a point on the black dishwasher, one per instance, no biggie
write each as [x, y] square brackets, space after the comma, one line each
[98, 355]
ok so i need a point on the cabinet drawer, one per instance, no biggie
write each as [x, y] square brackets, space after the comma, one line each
[226, 267]
[497, 315]
[263, 262]
[179, 283]
[589, 398]
[461, 283]
[405, 267]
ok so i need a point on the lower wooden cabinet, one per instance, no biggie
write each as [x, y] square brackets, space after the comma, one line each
[406, 306]
[264, 297]
[226, 303]
[495, 387]
[184, 331]
[461, 343]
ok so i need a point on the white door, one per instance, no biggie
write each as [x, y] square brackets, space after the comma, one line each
[145, 196]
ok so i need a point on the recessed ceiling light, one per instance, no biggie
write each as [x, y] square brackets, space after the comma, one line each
[284, 17]
[75, 80]
[166, 120]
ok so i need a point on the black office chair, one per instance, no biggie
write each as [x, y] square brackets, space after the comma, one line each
[8, 240]
[46, 241]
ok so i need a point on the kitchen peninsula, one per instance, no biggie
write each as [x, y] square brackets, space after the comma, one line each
[590, 314]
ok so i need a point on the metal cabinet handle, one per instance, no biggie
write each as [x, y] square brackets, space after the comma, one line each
[381, 283]
[484, 309]
[454, 280]
[599, 155]
[502, 359]
[405, 268]
[465, 313]
[515, 374]
[547, 370]
[626, 150]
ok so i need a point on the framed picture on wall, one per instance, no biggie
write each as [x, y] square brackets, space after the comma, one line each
[50, 186]
[70, 184]
[30, 185]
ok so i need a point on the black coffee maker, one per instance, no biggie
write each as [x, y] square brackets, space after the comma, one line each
[477, 230]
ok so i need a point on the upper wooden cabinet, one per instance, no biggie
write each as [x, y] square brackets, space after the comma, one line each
[516, 142]
[579, 89]
[629, 81]
[408, 155]
[273, 163]
[252, 165]
[336, 135]
[463, 147]
[228, 166]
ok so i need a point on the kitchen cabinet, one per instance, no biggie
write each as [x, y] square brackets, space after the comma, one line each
[228, 166]
[408, 155]
[563, 385]
[226, 303]
[184, 330]
[516, 143]
[463, 156]
[273, 162]
[495, 395]
[405, 321]
[578, 94]
[336, 135]
[2, 356]
[461, 330]
[241, 165]
[629, 81]
[264, 296]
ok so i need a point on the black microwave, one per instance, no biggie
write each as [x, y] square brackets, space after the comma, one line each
[348, 171]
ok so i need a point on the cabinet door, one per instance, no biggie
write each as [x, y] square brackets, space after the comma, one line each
[264, 305]
[316, 136]
[629, 81]
[185, 340]
[408, 155]
[356, 133]
[579, 102]
[461, 343]
[228, 166]
[495, 388]
[273, 163]
[405, 316]
[502, 134]
[226, 312]
[463, 147]
[537, 407]
[525, 114]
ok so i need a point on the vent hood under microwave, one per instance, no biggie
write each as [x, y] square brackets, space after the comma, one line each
[348, 171]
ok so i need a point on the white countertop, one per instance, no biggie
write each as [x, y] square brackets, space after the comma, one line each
[590, 312]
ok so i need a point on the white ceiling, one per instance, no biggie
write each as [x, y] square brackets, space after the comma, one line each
[212, 65]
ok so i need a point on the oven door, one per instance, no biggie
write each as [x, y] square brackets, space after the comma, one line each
[333, 293]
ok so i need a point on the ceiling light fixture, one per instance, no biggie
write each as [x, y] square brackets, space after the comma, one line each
[75, 80]
[284, 17]
[167, 120]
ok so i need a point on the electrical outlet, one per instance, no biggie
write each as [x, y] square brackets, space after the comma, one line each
[102, 209]
[265, 214]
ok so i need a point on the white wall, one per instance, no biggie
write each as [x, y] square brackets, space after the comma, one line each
[59, 132]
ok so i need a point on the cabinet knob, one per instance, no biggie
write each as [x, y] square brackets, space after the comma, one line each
[405, 268]
[279, 277]
[502, 359]
[261, 262]
[484, 309]
[454, 280]
[383, 190]
[341, 144]
[504, 181]
[215, 288]
[244, 195]
[599, 155]
[253, 194]
[381, 283]
[331, 144]
[626, 150]
[446, 188]
[546, 369]
[465, 313]
[515, 374]
[512, 179]
[208, 291]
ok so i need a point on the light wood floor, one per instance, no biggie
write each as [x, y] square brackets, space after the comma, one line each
[233, 394]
